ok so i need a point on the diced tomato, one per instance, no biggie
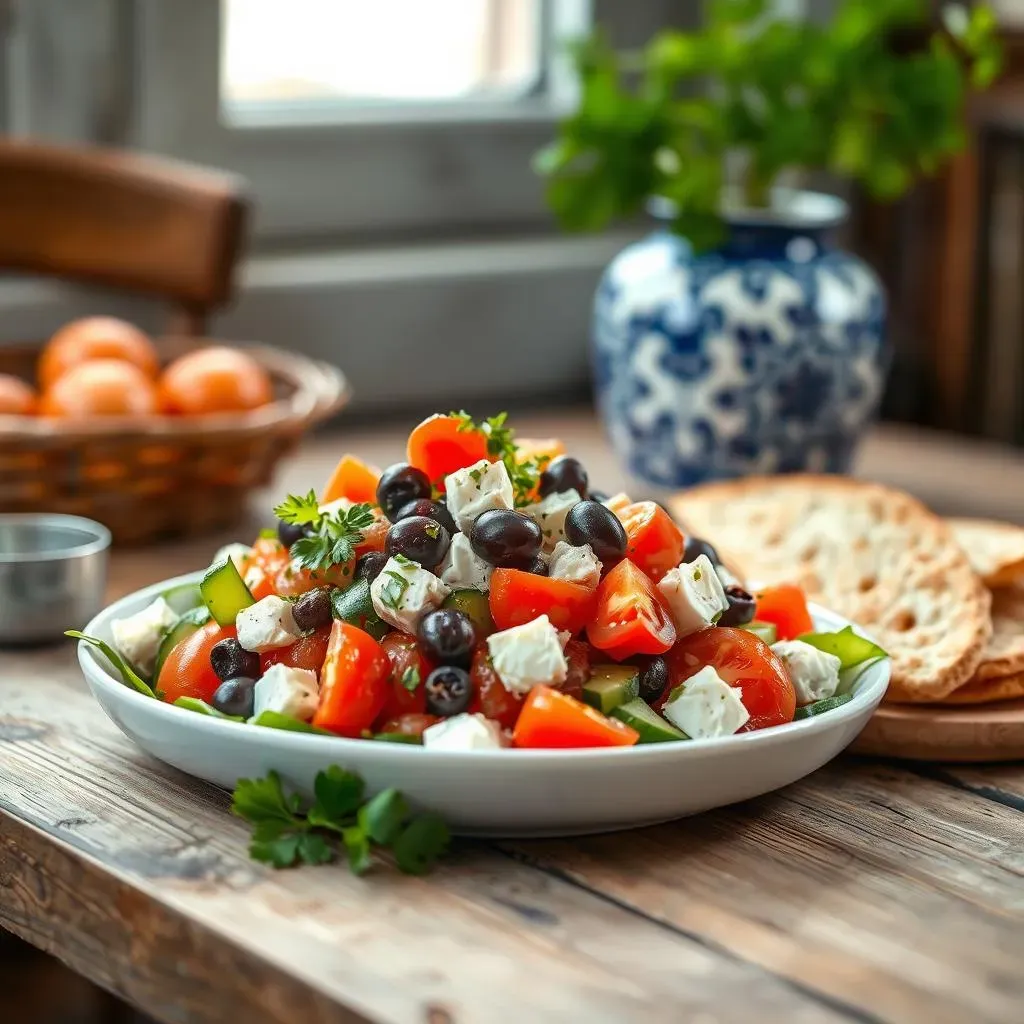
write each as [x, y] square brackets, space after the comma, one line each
[374, 535]
[742, 660]
[490, 698]
[409, 670]
[440, 445]
[354, 681]
[785, 606]
[553, 719]
[259, 583]
[409, 725]
[268, 554]
[187, 671]
[293, 580]
[517, 597]
[353, 479]
[577, 656]
[653, 542]
[618, 502]
[631, 617]
[308, 652]
[541, 450]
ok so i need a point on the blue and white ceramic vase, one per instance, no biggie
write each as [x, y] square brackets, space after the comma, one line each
[767, 355]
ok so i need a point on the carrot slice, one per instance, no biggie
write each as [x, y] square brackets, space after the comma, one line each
[439, 446]
[353, 479]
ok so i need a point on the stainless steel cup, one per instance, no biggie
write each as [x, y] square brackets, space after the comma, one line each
[53, 575]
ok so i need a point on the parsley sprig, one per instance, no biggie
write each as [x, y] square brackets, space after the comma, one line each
[284, 835]
[332, 538]
[501, 444]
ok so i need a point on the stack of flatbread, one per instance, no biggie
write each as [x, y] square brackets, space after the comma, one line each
[944, 598]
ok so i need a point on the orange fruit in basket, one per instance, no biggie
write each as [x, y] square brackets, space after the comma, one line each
[102, 387]
[96, 337]
[215, 379]
[16, 397]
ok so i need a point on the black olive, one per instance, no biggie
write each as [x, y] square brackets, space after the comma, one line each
[538, 567]
[235, 696]
[695, 547]
[741, 607]
[599, 496]
[589, 522]
[420, 539]
[564, 474]
[506, 538]
[449, 691]
[653, 678]
[228, 658]
[369, 565]
[289, 533]
[313, 609]
[436, 510]
[399, 484]
[448, 636]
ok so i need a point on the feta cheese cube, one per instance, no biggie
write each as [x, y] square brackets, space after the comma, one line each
[288, 691]
[267, 625]
[575, 564]
[705, 706]
[694, 594]
[338, 505]
[815, 674]
[463, 568]
[238, 553]
[404, 592]
[464, 732]
[138, 637]
[476, 489]
[550, 514]
[528, 655]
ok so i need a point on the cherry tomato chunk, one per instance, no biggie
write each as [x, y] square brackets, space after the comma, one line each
[308, 652]
[518, 597]
[631, 617]
[551, 719]
[354, 681]
[742, 660]
[490, 698]
[785, 606]
[409, 668]
[653, 541]
[187, 671]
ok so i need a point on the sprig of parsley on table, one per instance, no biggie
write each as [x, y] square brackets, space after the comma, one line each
[501, 444]
[285, 835]
[332, 538]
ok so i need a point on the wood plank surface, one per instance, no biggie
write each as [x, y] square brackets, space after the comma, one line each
[868, 892]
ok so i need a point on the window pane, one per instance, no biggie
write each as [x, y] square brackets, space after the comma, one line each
[377, 50]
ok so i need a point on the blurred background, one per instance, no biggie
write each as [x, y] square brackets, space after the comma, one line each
[399, 231]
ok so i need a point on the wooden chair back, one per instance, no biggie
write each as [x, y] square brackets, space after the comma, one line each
[136, 223]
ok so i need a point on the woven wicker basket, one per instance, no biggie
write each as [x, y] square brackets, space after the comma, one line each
[162, 477]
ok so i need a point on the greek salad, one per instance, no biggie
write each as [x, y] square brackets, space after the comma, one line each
[481, 595]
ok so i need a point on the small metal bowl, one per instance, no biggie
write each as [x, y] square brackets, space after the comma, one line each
[53, 575]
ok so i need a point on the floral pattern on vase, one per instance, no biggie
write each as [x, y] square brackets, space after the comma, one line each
[767, 356]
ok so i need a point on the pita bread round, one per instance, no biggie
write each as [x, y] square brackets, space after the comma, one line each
[988, 691]
[1004, 653]
[871, 553]
[995, 550]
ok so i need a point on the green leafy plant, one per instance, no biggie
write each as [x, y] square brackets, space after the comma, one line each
[875, 95]
[285, 834]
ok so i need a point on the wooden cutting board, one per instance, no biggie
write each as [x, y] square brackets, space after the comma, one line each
[968, 733]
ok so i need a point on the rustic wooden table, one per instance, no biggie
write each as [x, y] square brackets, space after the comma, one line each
[872, 891]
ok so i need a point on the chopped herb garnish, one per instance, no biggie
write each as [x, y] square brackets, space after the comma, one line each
[285, 835]
[432, 530]
[393, 591]
[332, 538]
[402, 560]
[475, 475]
[268, 533]
[501, 445]
[411, 678]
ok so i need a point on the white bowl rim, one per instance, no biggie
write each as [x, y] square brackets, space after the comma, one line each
[97, 672]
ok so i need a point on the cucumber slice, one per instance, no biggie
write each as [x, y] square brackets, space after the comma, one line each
[397, 737]
[183, 598]
[476, 607]
[225, 592]
[820, 707]
[200, 707]
[275, 720]
[186, 625]
[611, 685]
[353, 605]
[765, 630]
[651, 726]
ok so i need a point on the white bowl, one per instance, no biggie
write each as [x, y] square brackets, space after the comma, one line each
[506, 792]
